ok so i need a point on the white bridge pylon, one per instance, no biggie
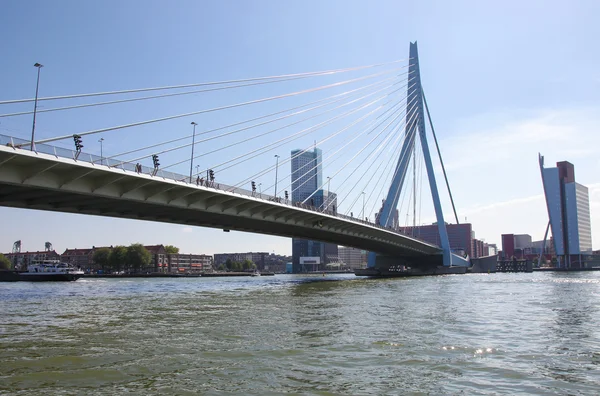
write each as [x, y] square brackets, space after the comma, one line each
[415, 124]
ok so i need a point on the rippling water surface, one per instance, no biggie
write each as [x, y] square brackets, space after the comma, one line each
[467, 334]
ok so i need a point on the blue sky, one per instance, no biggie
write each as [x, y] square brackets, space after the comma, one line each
[504, 80]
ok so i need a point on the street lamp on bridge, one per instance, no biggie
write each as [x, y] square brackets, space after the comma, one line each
[193, 143]
[101, 155]
[276, 169]
[363, 211]
[37, 86]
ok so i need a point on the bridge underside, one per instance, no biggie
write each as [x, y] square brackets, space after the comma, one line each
[37, 181]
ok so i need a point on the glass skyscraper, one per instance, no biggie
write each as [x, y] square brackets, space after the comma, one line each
[307, 178]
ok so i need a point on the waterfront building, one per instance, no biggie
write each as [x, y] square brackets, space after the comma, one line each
[158, 258]
[479, 248]
[307, 174]
[82, 258]
[188, 263]
[492, 249]
[307, 180]
[523, 241]
[459, 236]
[20, 260]
[516, 246]
[569, 212]
[353, 258]
[258, 258]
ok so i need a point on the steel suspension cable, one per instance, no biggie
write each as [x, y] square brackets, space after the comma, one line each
[320, 142]
[347, 162]
[145, 98]
[204, 111]
[413, 134]
[397, 143]
[374, 151]
[411, 125]
[335, 152]
[307, 74]
[270, 168]
[255, 119]
[269, 147]
[441, 160]
[265, 133]
[282, 141]
[339, 149]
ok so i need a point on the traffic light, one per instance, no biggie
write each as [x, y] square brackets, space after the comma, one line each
[286, 195]
[211, 174]
[253, 186]
[155, 161]
[78, 145]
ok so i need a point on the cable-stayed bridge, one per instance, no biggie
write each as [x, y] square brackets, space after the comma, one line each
[369, 124]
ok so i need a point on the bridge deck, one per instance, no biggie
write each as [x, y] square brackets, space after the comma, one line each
[49, 182]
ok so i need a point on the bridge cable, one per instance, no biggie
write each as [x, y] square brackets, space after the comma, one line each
[440, 155]
[394, 144]
[391, 147]
[396, 154]
[271, 168]
[308, 74]
[347, 162]
[144, 98]
[287, 138]
[411, 125]
[401, 136]
[331, 155]
[375, 150]
[338, 150]
[254, 119]
[395, 128]
[202, 111]
[265, 133]
[320, 142]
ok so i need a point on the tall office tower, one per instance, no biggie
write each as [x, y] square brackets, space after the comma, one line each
[307, 177]
[569, 212]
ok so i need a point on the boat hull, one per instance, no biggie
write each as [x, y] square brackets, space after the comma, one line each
[16, 276]
[396, 273]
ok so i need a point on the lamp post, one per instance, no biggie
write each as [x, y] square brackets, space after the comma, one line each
[363, 211]
[192, 157]
[37, 86]
[101, 155]
[276, 169]
[327, 201]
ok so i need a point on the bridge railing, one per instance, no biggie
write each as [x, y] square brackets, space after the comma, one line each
[138, 168]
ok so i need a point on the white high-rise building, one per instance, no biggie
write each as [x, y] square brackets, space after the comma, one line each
[569, 212]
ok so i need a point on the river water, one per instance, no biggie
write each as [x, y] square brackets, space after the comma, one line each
[334, 335]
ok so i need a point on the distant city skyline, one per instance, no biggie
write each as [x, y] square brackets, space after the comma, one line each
[498, 96]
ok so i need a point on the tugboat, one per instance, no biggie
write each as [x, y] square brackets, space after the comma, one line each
[42, 271]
